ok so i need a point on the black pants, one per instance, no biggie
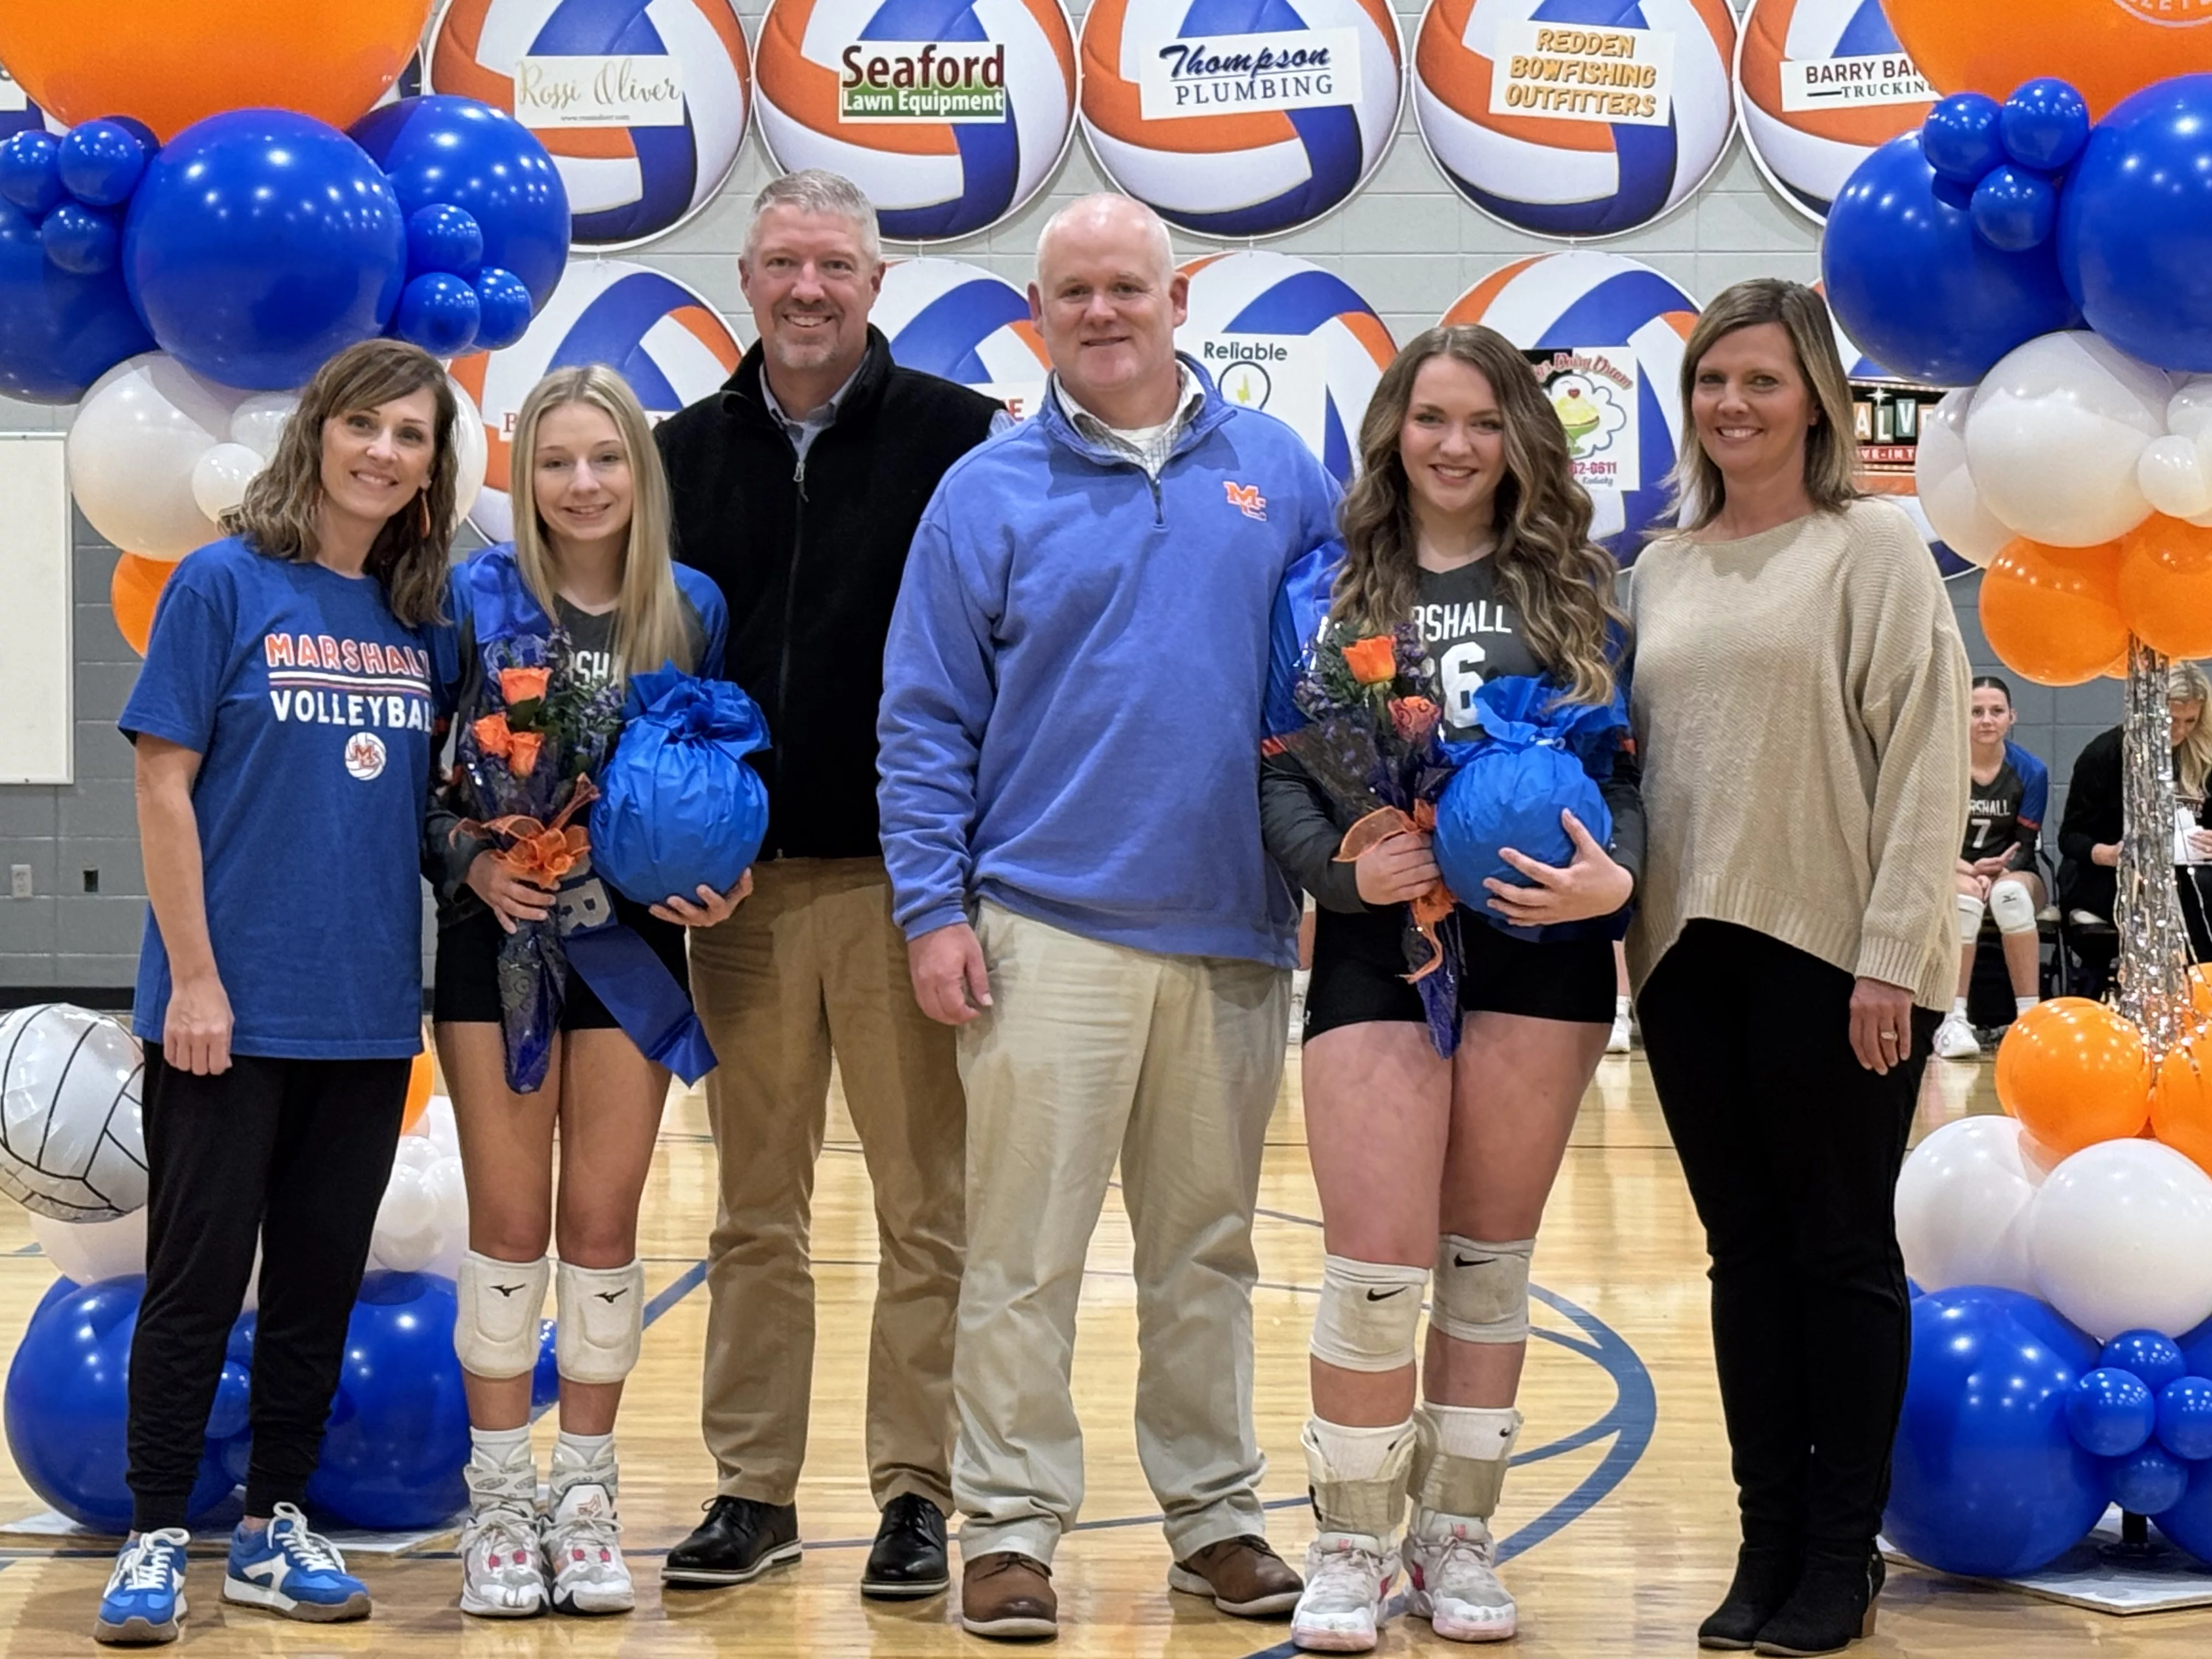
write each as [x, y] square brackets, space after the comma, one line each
[292, 1152]
[1791, 1149]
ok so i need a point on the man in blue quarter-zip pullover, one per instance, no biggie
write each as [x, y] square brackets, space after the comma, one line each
[1070, 738]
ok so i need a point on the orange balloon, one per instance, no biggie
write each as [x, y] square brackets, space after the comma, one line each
[2165, 586]
[171, 63]
[2053, 613]
[2074, 1072]
[2181, 1105]
[132, 592]
[2106, 48]
[419, 1079]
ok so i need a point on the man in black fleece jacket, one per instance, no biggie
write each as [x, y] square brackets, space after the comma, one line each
[797, 487]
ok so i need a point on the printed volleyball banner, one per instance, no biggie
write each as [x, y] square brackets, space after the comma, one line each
[1890, 77]
[1593, 389]
[598, 92]
[1231, 74]
[935, 80]
[1284, 375]
[1563, 73]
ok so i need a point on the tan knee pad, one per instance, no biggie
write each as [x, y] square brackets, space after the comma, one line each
[2013, 907]
[1970, 918]
[1481, 1292]
[1369, 1313]
[496, 1305]
[601, 1322]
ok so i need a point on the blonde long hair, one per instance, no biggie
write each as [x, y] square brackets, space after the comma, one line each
[1831, 447]
[649, 613]
[279, 515]
[2192, 756]
[1556, 581]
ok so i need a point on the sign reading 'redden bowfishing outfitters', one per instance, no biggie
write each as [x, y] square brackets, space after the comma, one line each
[1551, 71]
[955, 80]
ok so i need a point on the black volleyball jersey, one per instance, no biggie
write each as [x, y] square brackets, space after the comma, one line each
[2007, 812]
[1472, 635]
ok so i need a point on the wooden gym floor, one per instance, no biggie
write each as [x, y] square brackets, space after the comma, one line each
[1617, 1526]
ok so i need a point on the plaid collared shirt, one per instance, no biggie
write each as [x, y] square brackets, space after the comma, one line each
[1149, 449]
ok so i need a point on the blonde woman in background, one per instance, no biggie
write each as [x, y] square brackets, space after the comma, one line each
[1800, 705]
[591, 551]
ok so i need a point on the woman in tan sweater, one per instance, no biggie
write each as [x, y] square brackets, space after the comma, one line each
[1800, 707]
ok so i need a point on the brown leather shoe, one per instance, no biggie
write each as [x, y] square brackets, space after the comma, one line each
[1008, 1597]
[1242, 1575]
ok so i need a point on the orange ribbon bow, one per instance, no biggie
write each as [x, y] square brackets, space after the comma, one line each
[541, 854]
[1430, 906]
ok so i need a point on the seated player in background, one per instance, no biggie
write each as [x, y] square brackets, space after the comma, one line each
[1998, 875]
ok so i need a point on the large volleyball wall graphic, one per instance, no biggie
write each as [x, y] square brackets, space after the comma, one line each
[1285, 336]
[1610, 332]
[667, 341]
[962, 322]
[1822, 85]
[1241, 118]
[643, 103]
[949, 113]
[1575, 118]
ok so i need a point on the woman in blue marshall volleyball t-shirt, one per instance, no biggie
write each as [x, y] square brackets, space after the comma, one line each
[284, 725]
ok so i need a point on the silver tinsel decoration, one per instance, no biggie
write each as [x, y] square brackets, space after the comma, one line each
[2154, 940]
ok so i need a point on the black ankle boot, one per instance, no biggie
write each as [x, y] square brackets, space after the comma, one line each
[1765, 1575]
[1832, 1607]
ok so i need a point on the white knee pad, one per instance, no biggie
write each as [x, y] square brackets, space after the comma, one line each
[495, 1315]
[1369, 1313]
[1482, 1289]
[601, 1321]
[1970, 918]
[2014, 907]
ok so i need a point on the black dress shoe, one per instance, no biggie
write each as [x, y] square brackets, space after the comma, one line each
[1764, 1576]
[1832, 1607]
[909, 1559]
[737, 1542]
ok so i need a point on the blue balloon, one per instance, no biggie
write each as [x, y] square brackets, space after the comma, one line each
[442, 237]
[2044, 124]
[2149, 1482]
[1986, 1480]
[2014, 210]
[102, 162]
[505, 307]
[1912, 285]
[30, 177]
[81, 240]
[262, 243]
[458, 151]
[2151, 1355]
[58, 332]
[399, 1431]
[68, 1407]
[2184, 1418]
[1960, 136]
[2135, 225]
[2188, 1523]
[546, 1377]
[2111, 1412]
[439, 313]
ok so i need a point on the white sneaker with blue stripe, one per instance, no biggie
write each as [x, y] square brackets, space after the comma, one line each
[288, 1569]
[144, 1602]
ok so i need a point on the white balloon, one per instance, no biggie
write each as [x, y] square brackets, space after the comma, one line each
[437, 1127]
[407, 1233]
[2120, 1238]
[258, 422]
[137, 437]
[471, 453]
[2172, 477]
[2054, 435]
[451, 1196]
[89, 1251]
[2189, 411]
[1946, 486]
[220, 478]
[1962, 1207]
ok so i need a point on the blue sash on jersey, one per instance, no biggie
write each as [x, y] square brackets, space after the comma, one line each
[653, 1010]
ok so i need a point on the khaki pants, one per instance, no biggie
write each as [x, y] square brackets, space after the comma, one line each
[1091, 1050]
[810, 965]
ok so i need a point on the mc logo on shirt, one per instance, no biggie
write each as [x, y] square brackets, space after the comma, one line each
[1248, 499]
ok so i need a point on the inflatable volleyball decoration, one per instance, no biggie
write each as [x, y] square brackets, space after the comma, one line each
[1284, 335]
[1244, 118]
[962, 322]
[71, 1145]
[1575, 118]
[667, 341]
[949, 113]
[1606, 335]
[1822, 85]
[643, 105]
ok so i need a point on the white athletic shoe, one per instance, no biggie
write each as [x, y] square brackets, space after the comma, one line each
[1348, 1580]
[1956, 1040]
[1450, 1581]
[583, 1551]
[502, 1572]
[1617, 1043]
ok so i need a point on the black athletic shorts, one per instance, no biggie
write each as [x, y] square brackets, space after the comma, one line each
[1359, 967]
[467, 987]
